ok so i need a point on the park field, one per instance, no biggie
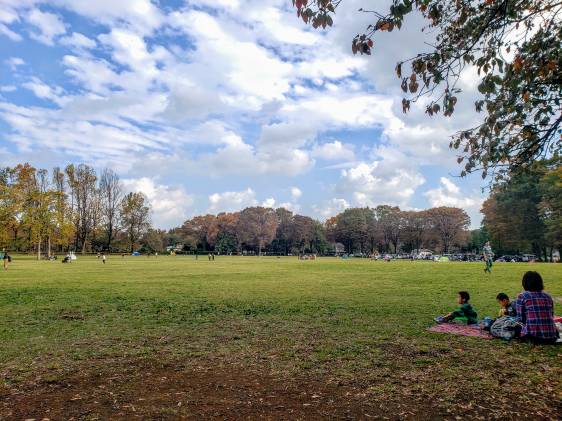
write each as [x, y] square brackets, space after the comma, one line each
[267, 338]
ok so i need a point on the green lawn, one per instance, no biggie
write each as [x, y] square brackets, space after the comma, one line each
[359, 322]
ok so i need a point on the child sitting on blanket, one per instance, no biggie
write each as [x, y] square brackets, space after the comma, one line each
[464, 314]
[507, 307]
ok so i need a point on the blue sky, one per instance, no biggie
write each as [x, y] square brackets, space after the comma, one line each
[214, 105]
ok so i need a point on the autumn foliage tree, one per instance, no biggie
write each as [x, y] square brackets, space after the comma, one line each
[70, 209]
[135, 217]
[450, 225]
[257, 226]
[515, 47]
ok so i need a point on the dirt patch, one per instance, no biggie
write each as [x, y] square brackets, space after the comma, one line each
[160, 389]
[153, 391]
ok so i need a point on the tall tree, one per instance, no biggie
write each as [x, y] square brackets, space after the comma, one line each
[415, 228]
[64, 229]
[222, 233]
[111, 193]
[386, 228]
[319, 243]
[45, 218]
[200, 231]
[392, 223]
[154, 240]
[303, 232]
[352, 228]
[516, 214]
[135, 217]
[284, 236]
[83, 189]
[257, 227]
[514, 45]
[8, 206]
[550, 207]
[450, 225]
[26, 193]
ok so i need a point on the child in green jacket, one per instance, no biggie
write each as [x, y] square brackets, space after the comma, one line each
[464, 314]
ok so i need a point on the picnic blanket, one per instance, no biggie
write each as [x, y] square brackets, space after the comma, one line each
[462, 330]
[471, 330]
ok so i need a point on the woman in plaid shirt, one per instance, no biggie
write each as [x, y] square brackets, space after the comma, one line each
[535, 310]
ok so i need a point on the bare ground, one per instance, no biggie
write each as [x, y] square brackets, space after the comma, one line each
[160, 390]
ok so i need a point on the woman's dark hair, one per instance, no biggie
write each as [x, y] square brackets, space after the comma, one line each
[502, 296]
[464, 295]
[532, 281]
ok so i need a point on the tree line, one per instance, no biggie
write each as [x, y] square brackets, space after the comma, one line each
[360, 230]
[69, 209]
[77, 209]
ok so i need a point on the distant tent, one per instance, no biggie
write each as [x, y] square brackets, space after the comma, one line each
[443, 259]
[135, 253]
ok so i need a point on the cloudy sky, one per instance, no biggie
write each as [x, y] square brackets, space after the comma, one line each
[215, 105]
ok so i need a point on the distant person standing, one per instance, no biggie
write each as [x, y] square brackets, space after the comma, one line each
[103, 258]
[6, 260]
[488, 256]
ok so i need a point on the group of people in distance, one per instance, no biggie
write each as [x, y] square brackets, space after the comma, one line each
[532, 312]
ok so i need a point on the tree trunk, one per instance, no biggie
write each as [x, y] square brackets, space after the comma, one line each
[84, 246]
[39, 249]
[49, 246]
[109, 236]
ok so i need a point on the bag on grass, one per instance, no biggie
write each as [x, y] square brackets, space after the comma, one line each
[506, 327]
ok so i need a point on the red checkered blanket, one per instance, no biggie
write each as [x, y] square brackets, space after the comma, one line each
[463, 330]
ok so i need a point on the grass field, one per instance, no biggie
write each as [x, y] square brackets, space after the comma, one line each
[247, 337]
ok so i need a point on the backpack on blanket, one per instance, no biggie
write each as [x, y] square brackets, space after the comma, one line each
[506, 328]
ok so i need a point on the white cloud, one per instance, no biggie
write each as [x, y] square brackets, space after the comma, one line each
[14, 62]
[49, 25]
[290, 206]
[268, 203]
[381, 182]
[220, 4]
[42, 90]
[78, 40]
[296, 193]
[449, 194]
[9, 33]
[232, 201]
[331, 207]
[334, 151]
[8, 88]
[143, 16]
[170, 205]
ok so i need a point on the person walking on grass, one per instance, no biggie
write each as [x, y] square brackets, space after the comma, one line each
[488, 256]
[103, 258]
[6, 259]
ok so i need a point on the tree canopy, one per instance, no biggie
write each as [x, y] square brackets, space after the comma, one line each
[514, 45]
[524, 213]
